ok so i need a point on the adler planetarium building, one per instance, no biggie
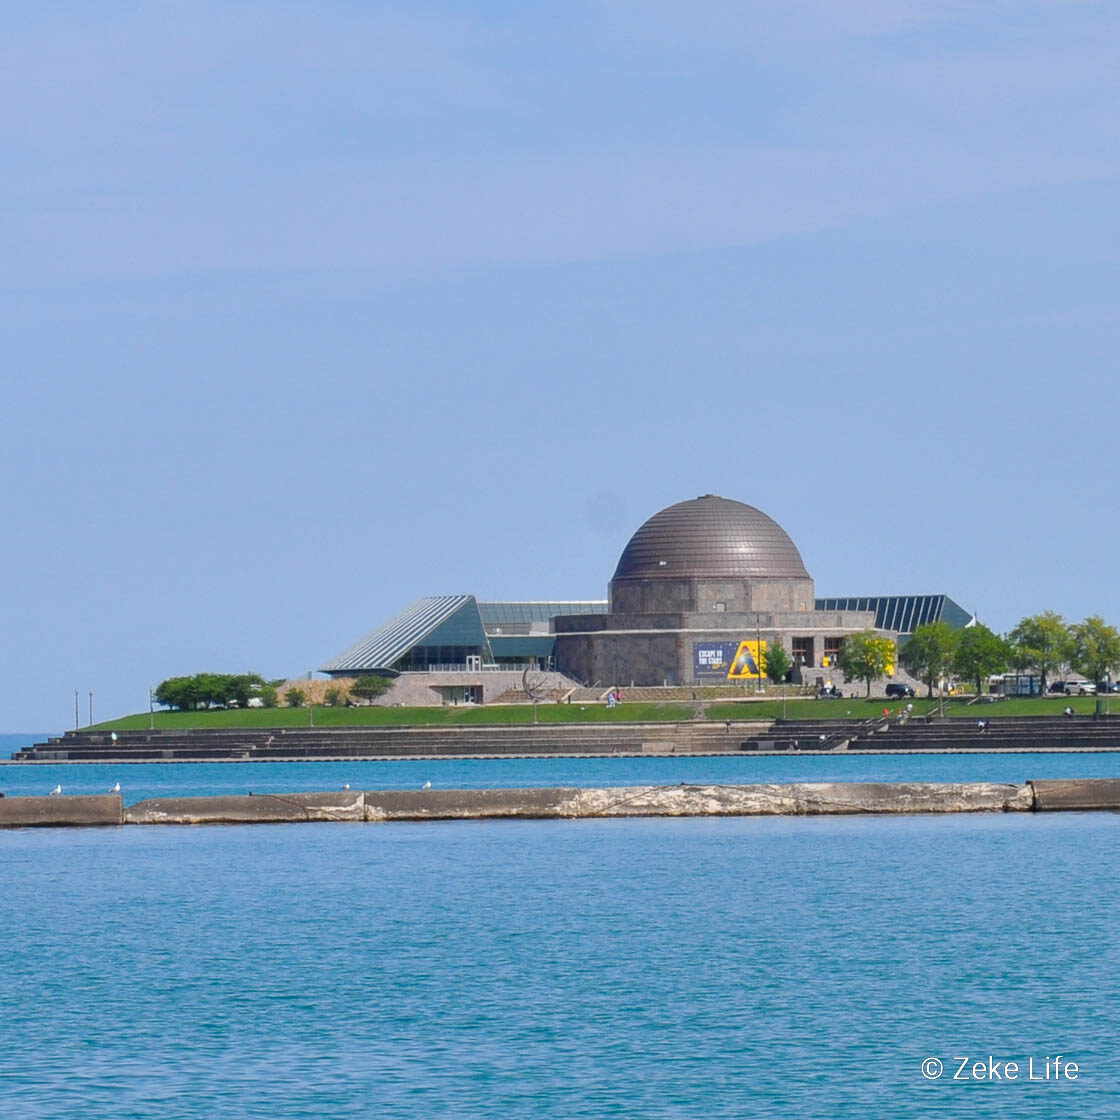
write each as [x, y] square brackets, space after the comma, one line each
[699, 592]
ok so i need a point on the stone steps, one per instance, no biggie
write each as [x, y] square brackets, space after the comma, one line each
[378, 743]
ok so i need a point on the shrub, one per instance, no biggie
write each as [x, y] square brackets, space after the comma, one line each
[334, 697]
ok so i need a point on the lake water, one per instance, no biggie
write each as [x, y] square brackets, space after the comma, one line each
[649, 968]
[141, 780]
[791, 967]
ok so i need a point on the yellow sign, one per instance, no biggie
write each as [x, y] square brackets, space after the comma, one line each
[745, 664]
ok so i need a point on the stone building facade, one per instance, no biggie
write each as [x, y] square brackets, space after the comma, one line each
[700, 591]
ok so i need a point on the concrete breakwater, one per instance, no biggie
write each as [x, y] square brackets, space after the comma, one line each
[800, 799]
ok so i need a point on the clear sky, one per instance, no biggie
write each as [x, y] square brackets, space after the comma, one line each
[312, 308]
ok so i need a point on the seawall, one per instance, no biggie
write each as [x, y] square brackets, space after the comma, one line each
[800, 799]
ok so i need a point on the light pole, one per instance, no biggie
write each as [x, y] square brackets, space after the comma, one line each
[91, 708]
[758, 652]
[76, 720]
[151, 711]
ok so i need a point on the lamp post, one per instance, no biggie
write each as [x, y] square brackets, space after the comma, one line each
[91, 708]
[758, 652]
[76, 719]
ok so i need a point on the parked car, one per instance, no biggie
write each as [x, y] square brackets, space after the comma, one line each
[1056, 686]
[1108, 686]
[896, 690]
[1080, 688]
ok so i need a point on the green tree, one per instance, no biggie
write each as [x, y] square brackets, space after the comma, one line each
[204, 689]
[979, 654]
[865, 657]
[370, 687]
[242, 686]
[334, 697]
[177, 692]
[775, 662]
[929, 653]
[1040, 642]
[269, 695]
[295, 697]
[1094, 647]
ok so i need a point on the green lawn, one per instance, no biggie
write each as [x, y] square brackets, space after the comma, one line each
[398, 717]
[953, 708]
[592, 713]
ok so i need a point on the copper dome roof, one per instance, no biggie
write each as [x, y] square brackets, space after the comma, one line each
[711, 537]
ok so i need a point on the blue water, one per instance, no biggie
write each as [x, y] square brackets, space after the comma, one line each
[141, 780]
[17, 740]
[634, 968]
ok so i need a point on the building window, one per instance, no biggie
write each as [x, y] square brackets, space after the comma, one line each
[832, 647]
[803, 651]
[720, 607]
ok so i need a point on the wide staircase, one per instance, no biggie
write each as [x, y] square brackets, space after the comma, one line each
[972, 734]
[691, 737]
[1085, 733]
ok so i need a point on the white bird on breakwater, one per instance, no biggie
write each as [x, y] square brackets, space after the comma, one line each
[426, 785]
[346, 785]
[116, 788]
[56, 792]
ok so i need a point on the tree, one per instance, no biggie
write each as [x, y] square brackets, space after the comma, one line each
[175, 692]
[979, 654]
[1094, 647]
[865, 657]
[370, 687]
[295, 697]
[775, 662]
[205, 689]
[1040, 642]
[928, 655]
[334, 697]
[242, 686]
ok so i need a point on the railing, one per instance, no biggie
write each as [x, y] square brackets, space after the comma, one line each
[464, 668]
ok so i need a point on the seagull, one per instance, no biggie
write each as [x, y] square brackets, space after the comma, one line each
[116, 788]
[426, 785]
[346, 785]
[56, 792]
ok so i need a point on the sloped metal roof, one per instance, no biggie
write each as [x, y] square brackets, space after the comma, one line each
[386, 645]
[902, 613]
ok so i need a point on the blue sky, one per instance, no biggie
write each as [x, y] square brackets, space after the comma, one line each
[310, 309]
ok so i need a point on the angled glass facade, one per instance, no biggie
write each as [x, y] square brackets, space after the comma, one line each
[902, 613]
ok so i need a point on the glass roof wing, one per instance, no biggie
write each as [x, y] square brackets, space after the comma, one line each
[384, 646]
[510, 613]
[902, 613]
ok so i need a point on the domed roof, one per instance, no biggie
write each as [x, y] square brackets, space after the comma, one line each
[711, 537]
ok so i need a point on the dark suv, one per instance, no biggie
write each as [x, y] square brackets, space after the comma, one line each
[896, 690]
